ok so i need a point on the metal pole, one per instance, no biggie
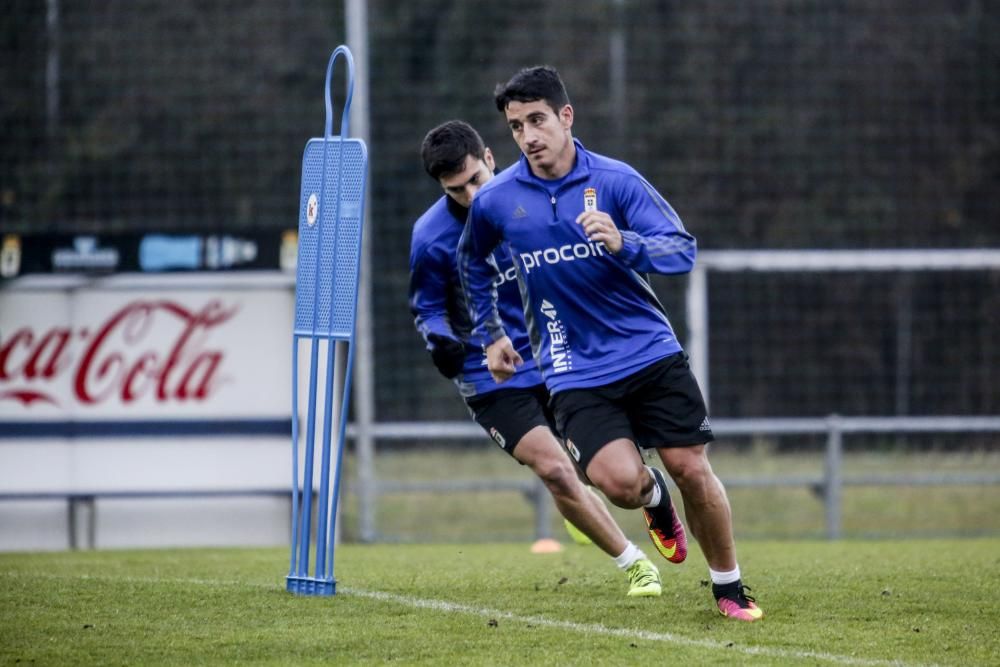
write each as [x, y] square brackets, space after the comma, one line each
[356, 17]
[833, 475]
[71, 506]
[52, 70]
[904, 342]
[697, 317]
[904, 347]
[617, 68]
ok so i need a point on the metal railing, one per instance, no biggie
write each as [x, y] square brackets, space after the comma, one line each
[828, 485]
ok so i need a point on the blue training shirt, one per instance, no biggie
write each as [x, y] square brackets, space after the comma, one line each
[592, 316]
[439, 306]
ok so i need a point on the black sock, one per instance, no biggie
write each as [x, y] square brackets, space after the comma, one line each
[663, 509]
[727, 590]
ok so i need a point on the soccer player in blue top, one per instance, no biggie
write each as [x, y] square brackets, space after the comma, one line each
[583, 230]
[515, 415]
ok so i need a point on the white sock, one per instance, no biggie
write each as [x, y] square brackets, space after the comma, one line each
[725, 577]
[627, 558]
[657, 496]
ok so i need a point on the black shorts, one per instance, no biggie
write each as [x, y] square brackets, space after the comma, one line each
[659, 406]
[508, 414]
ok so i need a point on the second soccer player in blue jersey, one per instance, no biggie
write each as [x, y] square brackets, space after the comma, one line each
[582, 230]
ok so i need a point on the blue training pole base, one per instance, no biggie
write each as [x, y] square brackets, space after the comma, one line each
[310, 586]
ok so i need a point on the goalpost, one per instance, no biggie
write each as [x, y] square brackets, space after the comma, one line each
[808, 261]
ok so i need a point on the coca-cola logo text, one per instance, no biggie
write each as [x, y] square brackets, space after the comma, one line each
[118, 359]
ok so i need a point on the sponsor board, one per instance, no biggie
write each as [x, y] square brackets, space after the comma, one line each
[26, 254]
[89, 353]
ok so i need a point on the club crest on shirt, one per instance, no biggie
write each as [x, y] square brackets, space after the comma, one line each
[590, 199]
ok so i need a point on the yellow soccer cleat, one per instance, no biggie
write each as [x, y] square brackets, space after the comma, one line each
[643, 579]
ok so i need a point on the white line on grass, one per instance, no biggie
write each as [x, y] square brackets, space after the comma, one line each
[454, 607]
[626, 633]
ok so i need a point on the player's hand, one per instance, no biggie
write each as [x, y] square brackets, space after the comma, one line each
[502, 359]
[448, 354]
[598, 226]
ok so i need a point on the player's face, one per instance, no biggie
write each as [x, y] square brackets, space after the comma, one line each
[543, 135]
[463, 185]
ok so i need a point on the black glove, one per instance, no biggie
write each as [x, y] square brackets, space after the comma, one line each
[448, 354]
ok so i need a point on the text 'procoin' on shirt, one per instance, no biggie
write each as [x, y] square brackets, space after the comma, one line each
[564, 253]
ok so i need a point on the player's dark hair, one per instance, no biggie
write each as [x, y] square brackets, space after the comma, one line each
[532, 84]
[445, 147]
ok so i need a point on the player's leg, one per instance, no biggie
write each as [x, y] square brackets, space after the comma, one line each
[617, 470]
[706, 504]
[540, 451]
[599, 508]
[600, 440]
[670, 414]
[709, 516]
[524, 423]
[595, 419]
[517, 421]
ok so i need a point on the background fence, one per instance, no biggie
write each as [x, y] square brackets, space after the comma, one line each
[770, 124]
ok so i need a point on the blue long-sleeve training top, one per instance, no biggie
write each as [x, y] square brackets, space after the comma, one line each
[591, 315]
[439, 306]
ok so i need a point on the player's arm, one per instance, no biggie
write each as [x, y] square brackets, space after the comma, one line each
[478, 273]
[651, 237]
[428, 304]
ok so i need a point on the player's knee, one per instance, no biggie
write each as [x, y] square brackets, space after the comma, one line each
[558, 475]
[625, 491]
[690, 472]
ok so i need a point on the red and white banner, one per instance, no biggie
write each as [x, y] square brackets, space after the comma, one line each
[123, 354]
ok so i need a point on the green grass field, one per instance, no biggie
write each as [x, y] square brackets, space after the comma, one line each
[850, 602]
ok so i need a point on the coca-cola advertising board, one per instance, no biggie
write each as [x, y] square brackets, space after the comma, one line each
[117, 353]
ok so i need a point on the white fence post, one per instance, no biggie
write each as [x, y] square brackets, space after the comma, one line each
[833, 475]
[697, 319]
